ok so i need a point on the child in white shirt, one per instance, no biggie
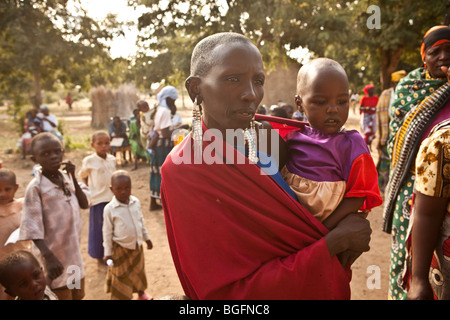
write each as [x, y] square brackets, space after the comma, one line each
[124, 232]
[96, 171]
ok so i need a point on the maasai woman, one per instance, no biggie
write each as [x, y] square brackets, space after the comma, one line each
[368, 112]
[234, 230]
[420, 102]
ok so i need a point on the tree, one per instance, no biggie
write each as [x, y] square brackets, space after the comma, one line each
[337, 29]
[43, 41]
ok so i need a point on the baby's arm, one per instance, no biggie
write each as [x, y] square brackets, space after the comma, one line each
[347, 206]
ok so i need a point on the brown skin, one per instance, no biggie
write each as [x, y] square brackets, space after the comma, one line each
[230, 94]
[429, 211]
[49, 154]
[121, 188]
[323, 95]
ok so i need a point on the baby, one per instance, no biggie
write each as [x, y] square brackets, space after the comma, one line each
[23, 277]
[329, 168]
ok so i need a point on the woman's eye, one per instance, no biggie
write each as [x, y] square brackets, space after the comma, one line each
[259, 82]
[233, 79]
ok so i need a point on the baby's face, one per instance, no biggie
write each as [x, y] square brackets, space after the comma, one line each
[7, 190]
[28, 281]
[325, 101]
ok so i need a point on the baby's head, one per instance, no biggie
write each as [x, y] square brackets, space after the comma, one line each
[22, 276]
[323, 94]
[8, 186]
[121, 185]
[101, 143]
[47, 150]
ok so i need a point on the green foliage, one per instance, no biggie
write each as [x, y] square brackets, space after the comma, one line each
[337, 29]
[42, 44]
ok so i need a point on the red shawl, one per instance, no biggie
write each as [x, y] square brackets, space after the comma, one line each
[236, 234]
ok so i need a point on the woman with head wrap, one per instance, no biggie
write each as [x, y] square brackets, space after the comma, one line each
[421, 101]
[161, 142]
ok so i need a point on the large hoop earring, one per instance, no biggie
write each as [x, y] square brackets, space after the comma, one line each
[250, 138]
[197, 131]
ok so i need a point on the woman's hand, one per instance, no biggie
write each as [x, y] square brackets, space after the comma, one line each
[352, 233]
[420, 289]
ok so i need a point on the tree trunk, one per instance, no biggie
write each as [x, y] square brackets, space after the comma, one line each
[37, 98]
[389, 63]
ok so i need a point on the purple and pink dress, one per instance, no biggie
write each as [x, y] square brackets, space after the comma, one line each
[323, 169]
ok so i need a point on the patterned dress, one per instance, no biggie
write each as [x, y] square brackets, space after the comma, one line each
[409, 95]
[433, 179]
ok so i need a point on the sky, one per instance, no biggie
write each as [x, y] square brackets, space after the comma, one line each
[125, 46]
[98, 9]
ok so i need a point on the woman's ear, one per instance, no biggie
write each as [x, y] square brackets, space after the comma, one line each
[192, 85]
[299, 103]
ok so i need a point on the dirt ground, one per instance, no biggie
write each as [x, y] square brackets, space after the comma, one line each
[370, 271]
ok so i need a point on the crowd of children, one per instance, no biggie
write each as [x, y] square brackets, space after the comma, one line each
[42, 258]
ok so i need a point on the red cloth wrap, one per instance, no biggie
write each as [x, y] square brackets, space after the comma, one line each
[236, 234]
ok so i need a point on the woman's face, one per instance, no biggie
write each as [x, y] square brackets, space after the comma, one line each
[233, 88]
[437, 57]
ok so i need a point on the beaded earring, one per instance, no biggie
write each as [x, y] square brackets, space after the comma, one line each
[250, 138]
[197, 132]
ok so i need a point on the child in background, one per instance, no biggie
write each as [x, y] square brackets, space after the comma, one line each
[96, 171]
[368, 111]
[23, 278]
[329, 169]
[51, 217]
[10, 215]
[123, 233]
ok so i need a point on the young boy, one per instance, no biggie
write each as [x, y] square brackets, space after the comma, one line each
[330, 169]
[123, 233]
[96, 171]
[51, 217]
[23, 278]
[10, 215]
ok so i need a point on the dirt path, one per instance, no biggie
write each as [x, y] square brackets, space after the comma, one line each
[372, 267]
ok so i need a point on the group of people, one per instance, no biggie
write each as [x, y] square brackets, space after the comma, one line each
[48, 220]
[237, 229]
[48, 223]
[37, 121]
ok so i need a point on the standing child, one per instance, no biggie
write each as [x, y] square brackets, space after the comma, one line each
[329, 169]
[10, 215]
[123, 233]
[51, 217]
[96, 171]
[23, 277]
[368, 111]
